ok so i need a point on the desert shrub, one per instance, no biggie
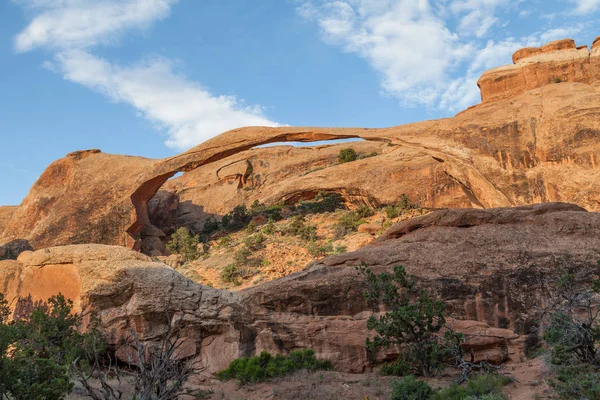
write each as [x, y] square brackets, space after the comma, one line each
[408, 388]
[243, 257]
[229, 274]
[365, 211]
[391, 212]
[347, 155]
[322, 203]
[257, 207]
[269, 228]
[225, 241]
[237, 219]
[348, 222]
[184, 243]
[572, 332]
[404, 203]
[400, 367]
[294, 225]
[367, 155]
[210, 225]
[297, 226]
[478, 387]
[37, 350]
[255, 242]
[412, 323]
[570, 324]
[317, 249]
[265, 366]
[557, 80]
[577, 382]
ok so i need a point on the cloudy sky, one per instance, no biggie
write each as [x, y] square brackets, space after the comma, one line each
[155, 77]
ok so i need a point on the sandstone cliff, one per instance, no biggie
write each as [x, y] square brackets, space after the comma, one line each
[556, 62]
[493, 267]
[532, 143]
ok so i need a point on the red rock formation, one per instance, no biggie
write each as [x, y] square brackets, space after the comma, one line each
[555, 62]
[492, 267]
[537, 146]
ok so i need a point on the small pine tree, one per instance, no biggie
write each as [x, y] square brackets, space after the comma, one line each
[413, 322]
[184, 243]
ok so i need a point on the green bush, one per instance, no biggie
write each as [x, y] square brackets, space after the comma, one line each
[265, 366]
[365, 211]
[391, 212]
[367, 155]
[184, 243]
[478, 387]
[38, 348]
[347, 223]
[237, 219]
[400, 367]
[577, 382]
[269, 228]
[225, 241]
[229, 274]
[255, 242]
[408, 388]
[210, 225]
[347, 155]
[297, 226]
[412, 323]
[322, 203]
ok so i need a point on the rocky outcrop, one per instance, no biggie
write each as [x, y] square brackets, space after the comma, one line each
[537, 146]
[82, 198]
[534, 67]
[12, 249]
[492, 267]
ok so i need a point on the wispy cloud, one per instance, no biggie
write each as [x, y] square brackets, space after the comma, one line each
[188, 112]
[427, 52]
[583, 7]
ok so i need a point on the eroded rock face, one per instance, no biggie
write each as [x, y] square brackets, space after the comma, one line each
[537, 146]
[12, 249]
[555, 62]
[289, 174]
[492, 267]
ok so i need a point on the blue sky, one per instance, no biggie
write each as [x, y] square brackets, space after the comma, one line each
[155, 77]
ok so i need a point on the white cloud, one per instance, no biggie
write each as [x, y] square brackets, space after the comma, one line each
[428, 52]
[402, 40]
[86, 23]
[189, 112]
[72, 28]
[478, 16]
[586, 6]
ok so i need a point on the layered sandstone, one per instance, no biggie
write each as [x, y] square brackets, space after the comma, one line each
[534, 67]
[492, 267]
[537, 146]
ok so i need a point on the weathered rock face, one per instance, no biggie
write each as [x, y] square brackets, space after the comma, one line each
[12, 249]
[82, 198]
[538, 146]
[558, 61]
[288, 174]
[493, 268]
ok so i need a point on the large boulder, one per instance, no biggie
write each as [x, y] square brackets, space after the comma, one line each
[494, 268]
